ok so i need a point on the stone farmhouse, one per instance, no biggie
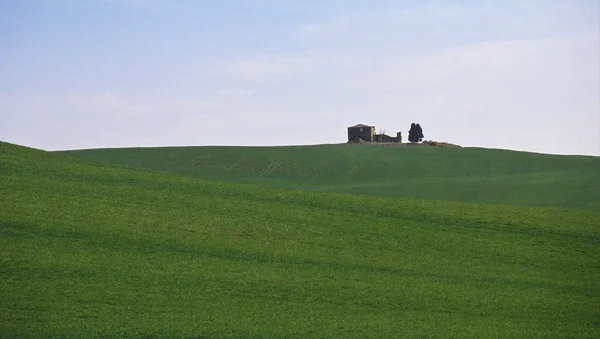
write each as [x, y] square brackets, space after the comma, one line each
[364, 133]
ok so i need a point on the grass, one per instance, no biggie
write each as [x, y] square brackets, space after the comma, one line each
[91, 249]
[459, 174]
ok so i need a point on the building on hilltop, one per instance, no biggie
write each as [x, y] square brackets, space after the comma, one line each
[387, 138]
[364, 133]
[361, 132]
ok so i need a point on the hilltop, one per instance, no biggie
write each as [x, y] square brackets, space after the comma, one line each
[437, 173]
[92, 249]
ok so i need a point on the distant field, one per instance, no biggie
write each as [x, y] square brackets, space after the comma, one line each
[91, 249]
[459, 174]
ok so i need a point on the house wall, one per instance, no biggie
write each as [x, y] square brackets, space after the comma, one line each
[386, 138]
[365, 133]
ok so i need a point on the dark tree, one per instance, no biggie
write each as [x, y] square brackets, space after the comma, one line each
[415, 134]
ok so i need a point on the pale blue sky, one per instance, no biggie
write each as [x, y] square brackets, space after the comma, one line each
[521, 75]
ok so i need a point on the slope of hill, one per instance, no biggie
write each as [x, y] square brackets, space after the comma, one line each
[90, 249]
[459, 174]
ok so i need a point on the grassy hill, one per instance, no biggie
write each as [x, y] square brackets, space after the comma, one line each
[459, 174]
[91, 249]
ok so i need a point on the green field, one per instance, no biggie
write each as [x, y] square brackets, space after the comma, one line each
[91, 249]
[460, 174]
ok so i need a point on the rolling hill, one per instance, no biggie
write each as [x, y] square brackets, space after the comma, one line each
[92, 249]
[460, 174]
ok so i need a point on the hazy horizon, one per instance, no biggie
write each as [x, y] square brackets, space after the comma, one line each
[518, 75]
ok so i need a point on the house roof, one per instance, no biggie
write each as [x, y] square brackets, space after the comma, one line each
[359, 125]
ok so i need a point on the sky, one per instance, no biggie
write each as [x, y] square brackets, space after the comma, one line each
[514, 74]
